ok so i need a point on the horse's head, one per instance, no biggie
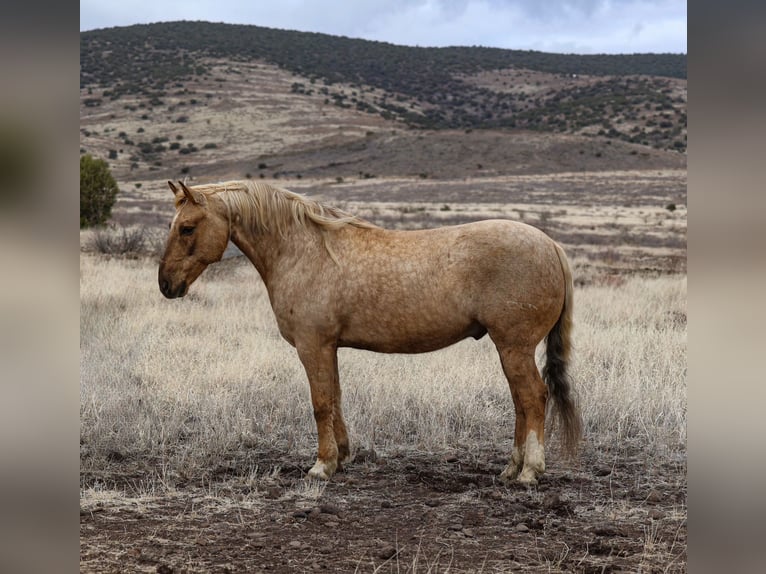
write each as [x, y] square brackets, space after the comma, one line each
[198, 237]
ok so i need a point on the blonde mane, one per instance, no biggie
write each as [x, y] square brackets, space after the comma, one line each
[266, 209]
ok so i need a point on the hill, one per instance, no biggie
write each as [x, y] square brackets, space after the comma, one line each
[637, 98]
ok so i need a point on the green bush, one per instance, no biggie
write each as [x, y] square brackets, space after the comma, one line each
[98, 191]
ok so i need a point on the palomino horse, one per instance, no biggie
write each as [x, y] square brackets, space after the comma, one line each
[335, 280]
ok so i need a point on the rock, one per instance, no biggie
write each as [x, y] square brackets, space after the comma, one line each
[655, 514]
[602, 471]
[654, 496]
[553, 502]
[295, 544]
[521, 527]
[329, 509]
[366, 455]
[273, 492]
[432, 502]
[115, 456]
[473, 518]
[386, 552]
[164, 569]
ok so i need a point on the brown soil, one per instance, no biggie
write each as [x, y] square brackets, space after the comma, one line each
[398, 512]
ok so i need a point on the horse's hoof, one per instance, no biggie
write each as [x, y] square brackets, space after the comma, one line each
[344, 456]
[510, 473]
[322, 470]
[528, 477]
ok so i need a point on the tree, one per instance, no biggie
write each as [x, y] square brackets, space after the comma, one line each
[98, 191]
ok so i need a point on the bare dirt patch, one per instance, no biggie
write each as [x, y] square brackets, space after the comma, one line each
[393, 512]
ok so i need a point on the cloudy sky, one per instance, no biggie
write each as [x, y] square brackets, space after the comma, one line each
[568, 26]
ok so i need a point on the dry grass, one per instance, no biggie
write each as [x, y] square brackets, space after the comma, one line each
[185, 382]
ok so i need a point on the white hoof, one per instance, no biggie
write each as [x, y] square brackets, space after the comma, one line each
[510, 473]
[514, 467]
[534, 460]
[528, 476]
[322, 470]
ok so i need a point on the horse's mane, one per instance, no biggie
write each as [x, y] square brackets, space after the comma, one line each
[266, 208]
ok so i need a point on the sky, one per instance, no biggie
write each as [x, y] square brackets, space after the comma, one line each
[562, 26]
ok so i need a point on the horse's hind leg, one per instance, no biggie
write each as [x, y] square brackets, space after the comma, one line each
[520, 434]
[529, 397]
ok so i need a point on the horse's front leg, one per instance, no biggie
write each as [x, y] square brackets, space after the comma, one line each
[321, 364]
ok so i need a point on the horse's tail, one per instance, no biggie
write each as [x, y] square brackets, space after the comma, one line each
[558, 348]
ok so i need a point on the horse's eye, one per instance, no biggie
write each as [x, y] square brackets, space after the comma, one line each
[187, 230]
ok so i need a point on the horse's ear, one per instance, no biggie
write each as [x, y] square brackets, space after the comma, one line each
[191, 197]
[173, 188]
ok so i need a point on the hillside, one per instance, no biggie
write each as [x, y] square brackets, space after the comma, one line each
[638, 98]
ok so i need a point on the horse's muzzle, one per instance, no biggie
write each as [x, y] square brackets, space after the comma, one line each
[171, 293]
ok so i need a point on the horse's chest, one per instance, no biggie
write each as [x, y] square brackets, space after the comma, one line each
[304, 316]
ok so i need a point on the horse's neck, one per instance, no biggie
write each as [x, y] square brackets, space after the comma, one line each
[271, 251]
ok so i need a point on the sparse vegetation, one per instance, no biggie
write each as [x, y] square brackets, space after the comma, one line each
[119, 240]
[421, 87]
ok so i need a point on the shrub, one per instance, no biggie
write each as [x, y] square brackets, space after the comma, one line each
[120, 240]
[98, 191]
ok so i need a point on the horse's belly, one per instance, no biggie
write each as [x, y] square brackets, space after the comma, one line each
[406, 337]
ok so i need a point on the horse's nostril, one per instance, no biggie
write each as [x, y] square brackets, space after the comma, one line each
[164, 286]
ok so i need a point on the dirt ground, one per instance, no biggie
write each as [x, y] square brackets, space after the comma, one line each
[394, 512]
